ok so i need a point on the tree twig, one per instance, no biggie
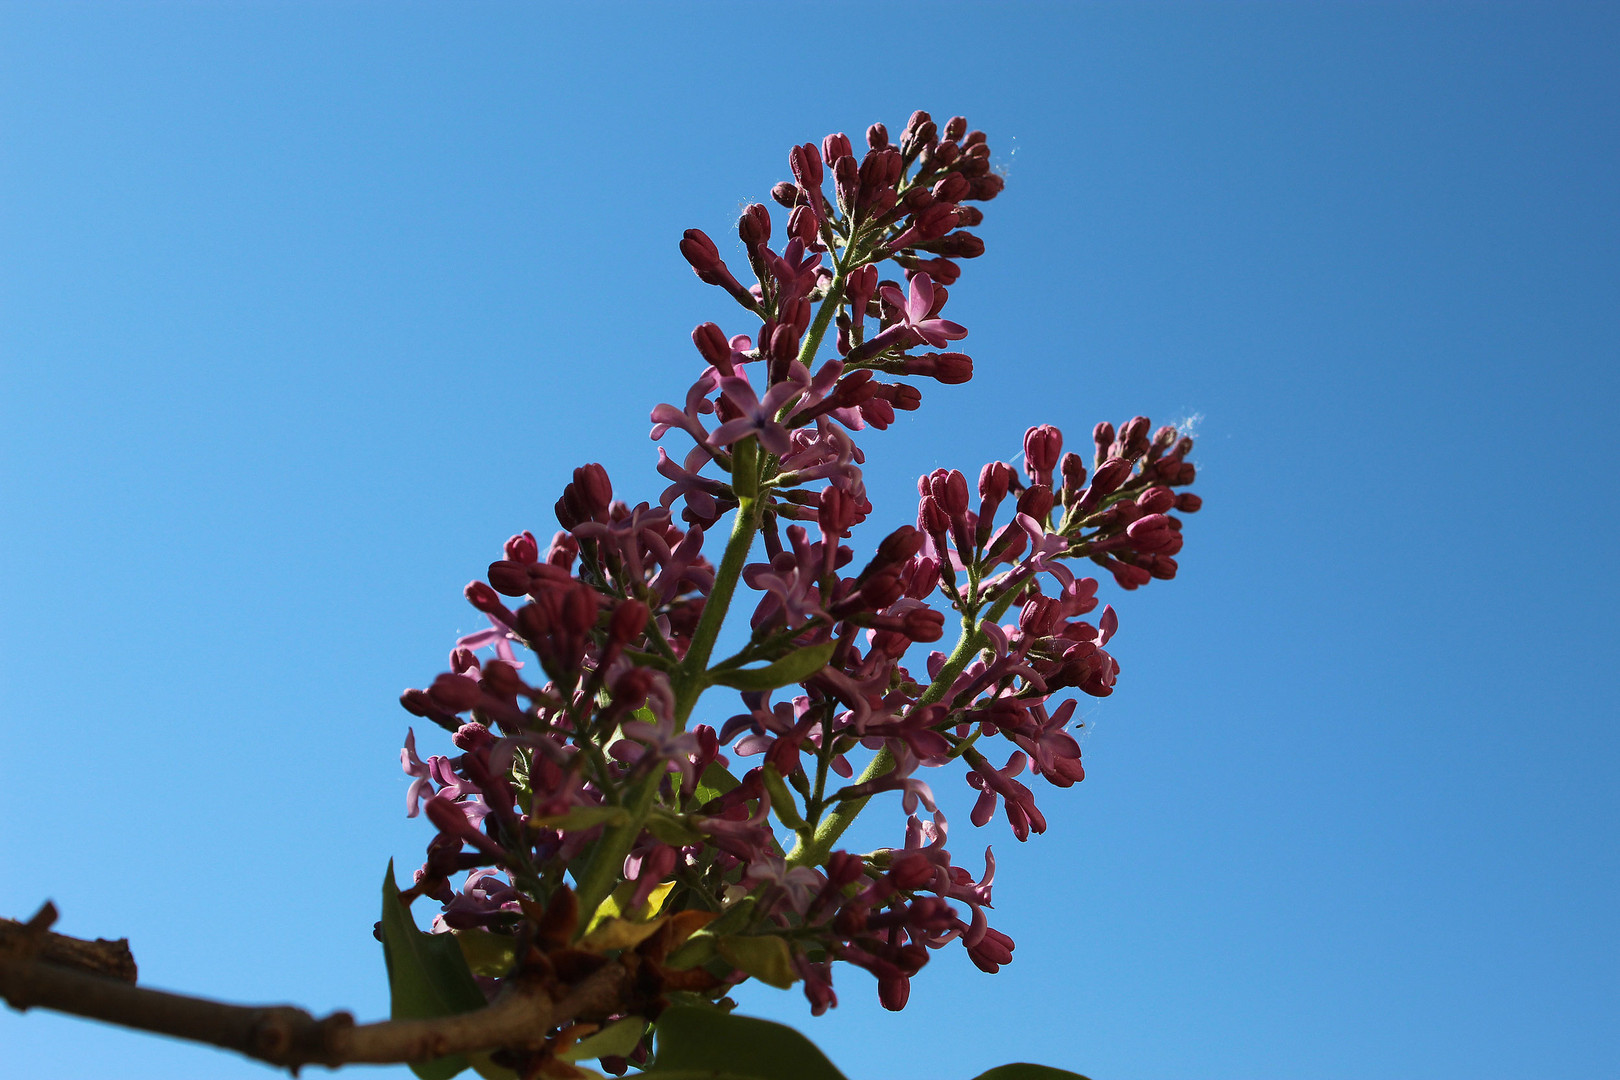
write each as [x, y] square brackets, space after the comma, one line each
[290, 1037]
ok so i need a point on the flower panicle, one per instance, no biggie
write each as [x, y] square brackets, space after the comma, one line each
[579, 765]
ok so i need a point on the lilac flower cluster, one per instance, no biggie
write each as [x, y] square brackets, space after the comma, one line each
[587, 787]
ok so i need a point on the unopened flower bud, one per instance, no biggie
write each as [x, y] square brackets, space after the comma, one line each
[754, 227]
[1188, 503]
[1043, 445]
[924, 625]
[595, 490]
[785, 194]
[629, 620]
[482, 597]
[911, 870]
[700, 251]
[986, 187]
[955, 128]
[523, 548]
[1073, 468]
[1156, 500]
[454, 693]
[502, 678]
[950, 489]
[509, 578]
[1133, 438]
[844, 868]
[920, 131]
[951, 189]
[877, 137]
[835, 148]
[1036, 501]
[899, 546]
[805, 161]
[802, 225]
[711, 342]
[472, 737]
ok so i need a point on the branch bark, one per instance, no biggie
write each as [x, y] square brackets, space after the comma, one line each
[286, 1036]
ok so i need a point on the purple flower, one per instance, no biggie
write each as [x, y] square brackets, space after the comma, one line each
[758, 417]
[915, 310]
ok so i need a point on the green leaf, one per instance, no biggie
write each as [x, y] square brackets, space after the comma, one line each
[766, 957]
[782, 801]
[487, 953]
[427, 976]
[618, 1038]
[714, 782]
[584, 817]
[696, 1043]
[795, 667]
[1025, 1071]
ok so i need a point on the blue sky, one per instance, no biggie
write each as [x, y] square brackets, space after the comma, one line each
[305, 308]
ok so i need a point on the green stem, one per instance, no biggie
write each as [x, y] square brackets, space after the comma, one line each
[818, 329]
[834, 824]
[607, 861]
[689, 680]
[839, 818]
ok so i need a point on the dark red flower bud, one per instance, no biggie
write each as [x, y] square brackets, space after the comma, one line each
[950, 489]
[631, 688]
[986, 187]
[835, 148]
[881, 590]
[936, 157]
[454, 693]
[1073, 468]
[847, 183]
[578, 609]
[1188, 503]
[943, 271]
[920, 132]
[973, 138]
[473, 736]
[629, 620]
[894, 992]
[509, 578]
[837, 512]
[713, 345]
[1040, 615]
[1043, 446]
[802, 225]
[785, 194]
[805, 162]
[754, 227]
[958, 245]
[899, 546]
[523, 548]
[1036, 501]
[1109, 476]
[902, 396]
[877, 137]
[842, 867]
[911, 870]
[700, 251]
[595, 490]
[956, 127]
[952, 189]
[994, 481]
[482, 597]
[917, 199]
[1156, 500]
[924, 625]
[1133, 439]
[502, 678]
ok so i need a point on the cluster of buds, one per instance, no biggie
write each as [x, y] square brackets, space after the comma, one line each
[586, 795]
